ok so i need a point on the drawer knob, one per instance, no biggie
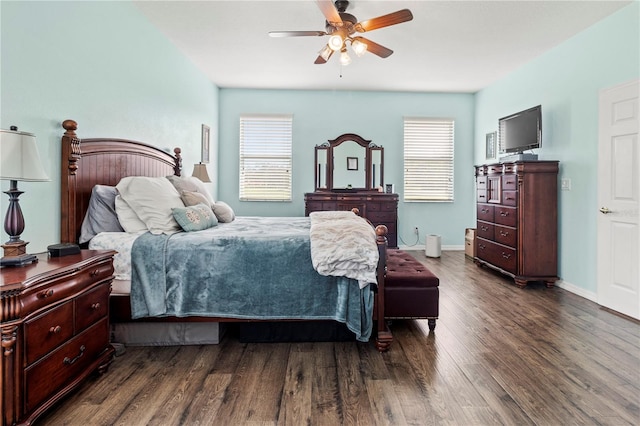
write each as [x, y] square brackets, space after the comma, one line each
[94, 272]
[95, 306]
[503, 233]
[484, 228]
[69, 361]
[481, 246]
[47, 293]
[506, 255]
[55, 330]
[504, 214]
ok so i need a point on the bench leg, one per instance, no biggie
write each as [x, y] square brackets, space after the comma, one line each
[432, 324]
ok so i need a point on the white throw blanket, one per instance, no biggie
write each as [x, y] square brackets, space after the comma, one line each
[344, 244]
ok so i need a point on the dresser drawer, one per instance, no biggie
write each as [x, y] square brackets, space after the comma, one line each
[510, 198]
[506, 215]
[92, 306]
[64, 364]
[485, 230]
[373, 207]
[481, 196]
[497, 254]
[505, 235]
[47, 331]
[485, 212]
[481, 183]
[67, 286]
[509, 182]
[314, 206]
[380, 216]
[389, 207]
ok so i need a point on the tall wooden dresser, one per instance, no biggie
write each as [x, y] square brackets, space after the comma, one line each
[379, 208]
[517, 220]
[55, 330]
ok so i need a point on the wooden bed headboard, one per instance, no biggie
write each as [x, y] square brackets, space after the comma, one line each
[104, 161]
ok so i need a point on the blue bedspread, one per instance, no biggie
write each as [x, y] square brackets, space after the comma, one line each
[251, 268]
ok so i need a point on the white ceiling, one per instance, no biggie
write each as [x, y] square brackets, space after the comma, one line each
[449, 46]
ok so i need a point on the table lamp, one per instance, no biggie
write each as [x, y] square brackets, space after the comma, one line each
[19, 161]
[200, 171]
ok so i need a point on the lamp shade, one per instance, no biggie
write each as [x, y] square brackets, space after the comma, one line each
[19, 157]
[200, 171]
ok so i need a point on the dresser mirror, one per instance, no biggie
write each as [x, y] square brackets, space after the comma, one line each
[349, 163]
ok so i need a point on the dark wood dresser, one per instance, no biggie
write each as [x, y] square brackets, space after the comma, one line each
[54, 318]
[517, 220]
[379, 208]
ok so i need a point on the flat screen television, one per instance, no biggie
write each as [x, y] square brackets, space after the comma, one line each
[520, 131]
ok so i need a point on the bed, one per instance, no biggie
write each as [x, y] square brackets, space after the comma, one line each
[87, 163]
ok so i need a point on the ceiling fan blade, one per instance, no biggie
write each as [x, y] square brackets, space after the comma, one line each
[398, 17]
[375, 48]
[330, 12]
[296, 33]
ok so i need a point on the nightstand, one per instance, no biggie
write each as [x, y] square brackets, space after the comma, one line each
[54, 320]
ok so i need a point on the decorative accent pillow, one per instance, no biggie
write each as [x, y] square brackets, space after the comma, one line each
[128, 219]
[191, 184]
[152, 199]
[192, 198]
[101, 215]
[223, 212]
[195, 218]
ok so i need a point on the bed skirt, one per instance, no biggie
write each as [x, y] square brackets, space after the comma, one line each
[167, 333]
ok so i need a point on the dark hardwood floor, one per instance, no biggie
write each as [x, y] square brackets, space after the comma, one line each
[499, 355]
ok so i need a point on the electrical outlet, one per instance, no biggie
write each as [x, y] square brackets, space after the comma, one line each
[565, 184]
[416, 231]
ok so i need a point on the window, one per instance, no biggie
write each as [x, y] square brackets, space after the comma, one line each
[428, 159]
[265, 157]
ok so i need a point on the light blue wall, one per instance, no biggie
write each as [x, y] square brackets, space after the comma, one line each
[566, 82]
[322, 115]
[103, 65]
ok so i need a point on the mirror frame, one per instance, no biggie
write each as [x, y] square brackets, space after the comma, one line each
[330, 145]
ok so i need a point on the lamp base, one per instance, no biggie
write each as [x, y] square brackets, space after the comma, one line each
[21, 260]
[14, 248]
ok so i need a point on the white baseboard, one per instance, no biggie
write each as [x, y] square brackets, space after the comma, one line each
[421, 247]
[565, 285]
[589, 295]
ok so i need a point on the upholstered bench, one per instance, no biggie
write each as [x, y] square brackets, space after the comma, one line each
[410, 289]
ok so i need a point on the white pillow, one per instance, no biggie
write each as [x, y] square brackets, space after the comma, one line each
[128, 219]
[152, 199]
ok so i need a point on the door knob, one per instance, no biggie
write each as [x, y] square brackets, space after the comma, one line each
[605, 210]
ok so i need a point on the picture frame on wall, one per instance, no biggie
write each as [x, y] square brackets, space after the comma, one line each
[206, 132]
[491, 148]
[352, 163]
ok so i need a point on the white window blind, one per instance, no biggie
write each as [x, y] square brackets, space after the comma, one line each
[265, 157]
[428, 159]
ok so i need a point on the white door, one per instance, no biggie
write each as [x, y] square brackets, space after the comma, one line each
[618, 200]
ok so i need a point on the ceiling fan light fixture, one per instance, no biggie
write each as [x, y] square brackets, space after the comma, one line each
[345, 59]
[335, 42]
[325, 52]
[359, 47]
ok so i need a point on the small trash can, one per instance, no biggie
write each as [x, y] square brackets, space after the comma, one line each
[432, 248]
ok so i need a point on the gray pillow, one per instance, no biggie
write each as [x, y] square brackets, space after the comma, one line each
[101, 215]
[191, 184]
[223, 212]
[191, 198]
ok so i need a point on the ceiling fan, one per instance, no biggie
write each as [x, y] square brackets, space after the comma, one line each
[342, 28]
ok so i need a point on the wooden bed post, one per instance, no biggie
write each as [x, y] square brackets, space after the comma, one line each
[70, 157]
[384, 337]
